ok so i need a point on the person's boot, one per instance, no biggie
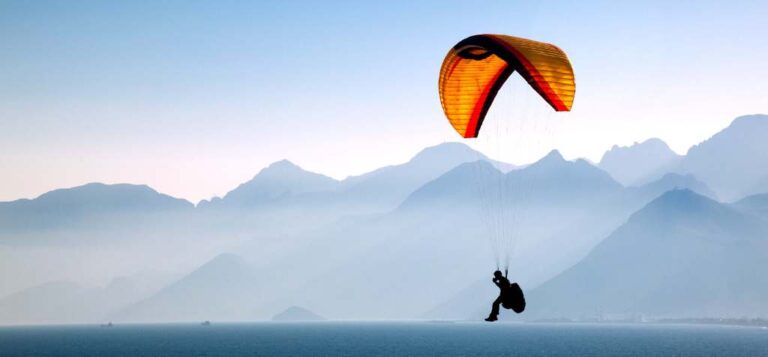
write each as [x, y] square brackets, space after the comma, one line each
[491, 318]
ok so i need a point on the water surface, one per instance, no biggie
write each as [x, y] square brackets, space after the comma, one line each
[385, 339]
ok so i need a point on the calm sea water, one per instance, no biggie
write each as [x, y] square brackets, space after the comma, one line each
[385, 339]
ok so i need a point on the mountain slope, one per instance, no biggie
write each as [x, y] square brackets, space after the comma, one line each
[87, 208]
[734, 161]
[225, 288]
[68, 302]
[55, 302]
[755, 204]
[682, 255]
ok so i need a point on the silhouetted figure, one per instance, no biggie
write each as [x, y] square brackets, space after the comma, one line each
[510, 296]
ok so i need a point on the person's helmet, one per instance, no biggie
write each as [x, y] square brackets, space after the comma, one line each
[497, 274]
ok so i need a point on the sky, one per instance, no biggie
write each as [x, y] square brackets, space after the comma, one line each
[195, 97]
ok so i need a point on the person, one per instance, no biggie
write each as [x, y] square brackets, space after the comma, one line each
[503, 283]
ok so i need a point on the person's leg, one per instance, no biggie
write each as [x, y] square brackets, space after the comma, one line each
[495, 310]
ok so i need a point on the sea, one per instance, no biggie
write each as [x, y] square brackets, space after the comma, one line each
[385, 339]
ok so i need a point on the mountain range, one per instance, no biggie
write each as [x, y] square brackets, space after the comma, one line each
[409, 240]
[447, 212]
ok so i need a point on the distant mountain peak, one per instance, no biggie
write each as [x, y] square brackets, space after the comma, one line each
[751, 125]
[296, 313]
[284, 164]
[554, 155]
[552, 159]
[639, 162]
[283, 167]
[226, 259]
[654, 143]
[474, 169]
[756, 204]
[682, 199]
[751, 119]
[447, 149]
[696, 213]
[555, 171]
[389, 186]
[740, 148]
[679, 195]
[677, 205]
[678, 181]
[103, 196]
[278, 180]
[97, 188]
[457, 181]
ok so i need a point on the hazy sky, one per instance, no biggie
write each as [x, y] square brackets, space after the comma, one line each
[194, 97]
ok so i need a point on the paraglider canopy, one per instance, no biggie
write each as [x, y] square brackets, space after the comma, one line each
[474, 70]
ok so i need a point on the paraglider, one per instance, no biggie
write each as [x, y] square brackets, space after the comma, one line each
[474, 70]
[472, 73]
[510, 296]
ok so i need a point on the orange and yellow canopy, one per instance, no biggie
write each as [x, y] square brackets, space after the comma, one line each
[474, 70]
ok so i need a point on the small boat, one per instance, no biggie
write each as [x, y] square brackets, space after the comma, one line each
[206, 323]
